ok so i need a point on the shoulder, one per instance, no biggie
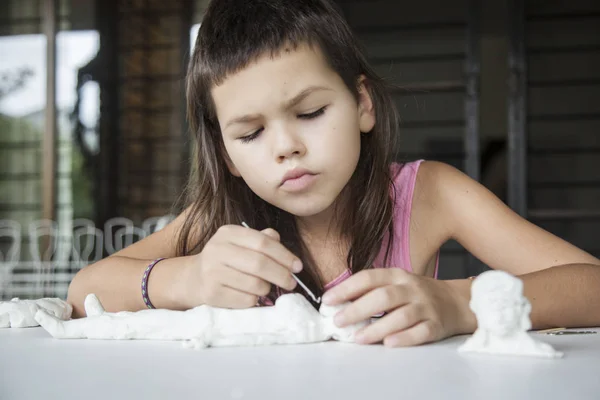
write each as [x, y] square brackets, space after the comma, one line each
[435, 174]
[443, 193]
[443, 183]
[398, 169]
[445, 204]
[462, 208]
[448, 204]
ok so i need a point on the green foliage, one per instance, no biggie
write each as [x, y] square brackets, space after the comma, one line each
[13, 131]
[83, 204]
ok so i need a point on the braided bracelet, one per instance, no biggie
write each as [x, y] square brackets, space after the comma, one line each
[145, 282]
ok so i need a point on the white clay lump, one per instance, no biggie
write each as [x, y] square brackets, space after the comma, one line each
[292, 320]
[19, 313]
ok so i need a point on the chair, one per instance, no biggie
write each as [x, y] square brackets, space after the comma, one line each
[110, 229]
[128, 235]
[154, 224]
[43, 247]
[10, 253]
[88, 244]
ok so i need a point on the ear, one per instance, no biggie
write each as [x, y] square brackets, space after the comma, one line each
[366, 111]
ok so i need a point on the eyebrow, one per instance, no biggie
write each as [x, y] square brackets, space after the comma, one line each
[288, 104]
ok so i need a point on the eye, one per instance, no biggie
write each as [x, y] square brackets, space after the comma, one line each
[250, 137]
[314, 114]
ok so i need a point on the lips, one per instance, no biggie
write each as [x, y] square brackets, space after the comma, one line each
[295, 174]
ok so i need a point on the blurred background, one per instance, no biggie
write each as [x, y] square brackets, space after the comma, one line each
[94, 144]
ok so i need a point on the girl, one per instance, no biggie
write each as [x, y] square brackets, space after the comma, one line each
[295, 134]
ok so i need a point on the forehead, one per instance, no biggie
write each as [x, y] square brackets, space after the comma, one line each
[274, 77]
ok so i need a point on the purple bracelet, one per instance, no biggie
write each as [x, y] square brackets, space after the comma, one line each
[145, 282]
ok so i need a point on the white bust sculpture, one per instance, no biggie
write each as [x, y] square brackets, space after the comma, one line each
[502, 313]
[291, 320]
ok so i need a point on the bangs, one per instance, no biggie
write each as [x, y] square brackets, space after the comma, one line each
[239, 33]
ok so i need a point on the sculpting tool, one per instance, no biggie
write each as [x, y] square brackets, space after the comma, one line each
[306, 289]
[564, 331]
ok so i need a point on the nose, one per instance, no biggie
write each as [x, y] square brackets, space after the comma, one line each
[287, 144]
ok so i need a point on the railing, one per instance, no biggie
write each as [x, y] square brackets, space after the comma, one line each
[41, 261]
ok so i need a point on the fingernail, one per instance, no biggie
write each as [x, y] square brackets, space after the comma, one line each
[297, 266]
[328, 298]
[339, 320]
[331, 298]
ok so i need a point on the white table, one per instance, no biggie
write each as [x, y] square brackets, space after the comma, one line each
[35, 366]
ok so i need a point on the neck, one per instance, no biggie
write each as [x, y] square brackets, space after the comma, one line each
[318, 228]
[326, 226]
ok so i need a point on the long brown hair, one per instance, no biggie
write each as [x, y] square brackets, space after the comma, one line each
[234, 33]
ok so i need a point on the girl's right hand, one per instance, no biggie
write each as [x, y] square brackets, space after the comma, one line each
[237, 266]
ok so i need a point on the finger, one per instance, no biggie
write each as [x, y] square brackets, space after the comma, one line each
[243, 282]
[259, 265]
[263, 243]
[398, 320]
[361, 283]
[374, 302]
[272, 233]
[421, 333]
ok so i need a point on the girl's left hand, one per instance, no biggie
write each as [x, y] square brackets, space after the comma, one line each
[418, 309]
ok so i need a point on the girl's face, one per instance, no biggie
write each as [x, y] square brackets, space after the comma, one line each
[292, 116]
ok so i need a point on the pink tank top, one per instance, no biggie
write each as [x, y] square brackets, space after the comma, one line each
[405, 177]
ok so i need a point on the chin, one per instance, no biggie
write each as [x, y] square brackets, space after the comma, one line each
[305, 208]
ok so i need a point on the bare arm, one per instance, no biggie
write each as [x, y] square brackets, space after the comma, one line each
[560, 280]
[116, 279]
[235, 267]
